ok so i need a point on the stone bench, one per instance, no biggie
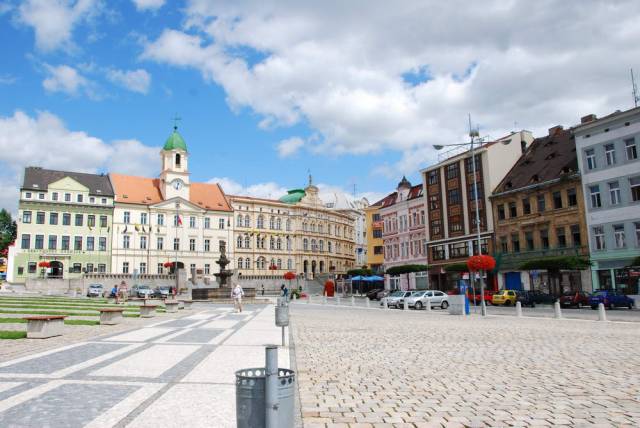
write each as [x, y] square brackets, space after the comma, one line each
[111, 316]
[44, 326]
[186, 304]
[171, 305]
[147, 311]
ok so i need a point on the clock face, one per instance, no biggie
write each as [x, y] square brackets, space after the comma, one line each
[177, 184]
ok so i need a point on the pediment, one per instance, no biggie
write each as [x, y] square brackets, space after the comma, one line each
[185, 205]
[67, 183]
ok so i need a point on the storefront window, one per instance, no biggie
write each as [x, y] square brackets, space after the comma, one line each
[604, 279]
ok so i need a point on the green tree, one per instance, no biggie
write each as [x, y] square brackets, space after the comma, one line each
[8, 230]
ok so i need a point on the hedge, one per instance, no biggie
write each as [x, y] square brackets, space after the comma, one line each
[397, 270]
[360, 272]
[457, 267]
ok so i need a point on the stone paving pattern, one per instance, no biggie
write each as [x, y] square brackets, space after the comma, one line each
[373, 368]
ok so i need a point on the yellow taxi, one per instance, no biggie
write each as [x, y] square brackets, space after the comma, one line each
[504, 297]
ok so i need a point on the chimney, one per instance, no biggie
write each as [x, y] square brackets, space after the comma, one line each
[588, 118]
[553, 131]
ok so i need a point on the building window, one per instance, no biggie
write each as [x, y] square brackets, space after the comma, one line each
[79, 219]
[102, 244]
[454, 196]
[591, 158]
[64, 244]
[247, 263]
[437, 252]
[433, 177]
[515, 243]
[126, 241]
[459, 249]
[31, 267]
[207, 223]
[53, 242]
[272, 223]
[39, 218]
[192, 244]
[54, 196]
[160, 243]
[207, 245]
[53, 218]
[192, 222]
[598, 233]
[618, 235]
[637, 225]
[631, 149]
[160, 268]
[455, 223]
[468, 166]
[40, 195]
[513, 211]
[79, 197]
[67, 197]
[544, 238]
[92, 200]
[176, 244]
[289, 264]
[247, 222]
[634, 183]
[103, 221]
[472, 191]
[435, 228]
[77, 243]
[102, 268]
[89, 268]
[143, 242]
[27, 195]
[90, 243]
[561, 237]
[126, 217]
[528, 240]
[103, 201]
[541, 203]
[557, 200]
[526, 206]
[66, 219]
[305, 244]
[26, 241]
[614, 193]
[434, 202]
[143, 267]
[594, 191]
[125, 267]
[26, 216]
[571, 197]
[247, 241]
[610, 154]
[91, 220]
[452, 171]
[503, 244]
[143, 218]
[239, 220]
[39, 244]
[221, 223]
[160, 219]
[176, 220]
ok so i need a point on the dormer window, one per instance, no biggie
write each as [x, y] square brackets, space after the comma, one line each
[177, 159]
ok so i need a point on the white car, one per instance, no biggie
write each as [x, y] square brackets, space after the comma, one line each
[393, 300]
[418, 299]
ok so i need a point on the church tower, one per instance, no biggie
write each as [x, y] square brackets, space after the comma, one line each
[174, 178]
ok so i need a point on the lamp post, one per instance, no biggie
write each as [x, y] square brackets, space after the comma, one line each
[474, 137]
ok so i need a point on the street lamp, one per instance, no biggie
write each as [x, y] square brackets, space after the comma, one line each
[474, 138]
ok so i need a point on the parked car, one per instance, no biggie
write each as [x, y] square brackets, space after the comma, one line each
[141, 291]
[394, 298]
[382, 294]
[437, 299]
[161, 292]
[413, 298]
[95, 290]
[610, 299]
[504, 297]
[526, 298]
[574, 298]
[478, 298]
[373, 294]
[541, 298]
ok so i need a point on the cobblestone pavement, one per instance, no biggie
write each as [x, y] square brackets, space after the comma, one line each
[167, 373]
[374, 368]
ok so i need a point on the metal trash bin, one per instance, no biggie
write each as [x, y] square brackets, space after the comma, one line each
[250, 398]
[282, 316]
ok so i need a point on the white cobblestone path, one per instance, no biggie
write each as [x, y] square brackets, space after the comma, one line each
[375, 368]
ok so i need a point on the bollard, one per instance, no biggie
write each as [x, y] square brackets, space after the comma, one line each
[309, 299]
[405, 305]
[337, 300]
[324, 300]
[385, 304]
[368, 304]
[602, 314]
[353, 301]
[271, 387]
[518, 309]
[428, 307]
[557, 312]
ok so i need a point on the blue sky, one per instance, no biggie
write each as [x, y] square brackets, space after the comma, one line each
[268, 91]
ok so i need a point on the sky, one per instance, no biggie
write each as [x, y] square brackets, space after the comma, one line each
[355, 93]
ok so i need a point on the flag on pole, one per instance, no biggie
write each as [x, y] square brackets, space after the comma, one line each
[137, 228]
[179, 221]
[125, 229]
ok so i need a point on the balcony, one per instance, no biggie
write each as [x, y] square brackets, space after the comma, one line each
[514, 260]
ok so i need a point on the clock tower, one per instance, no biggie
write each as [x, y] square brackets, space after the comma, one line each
[174, 178]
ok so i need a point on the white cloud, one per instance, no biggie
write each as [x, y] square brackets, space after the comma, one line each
[7, 79]
[342, 68]
[134, 80]
[289, 146]
[63, 78]
[44, 140]
[148, 4]
[54, 20]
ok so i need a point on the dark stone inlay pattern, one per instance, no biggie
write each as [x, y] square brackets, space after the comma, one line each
[62, 359]
[178, 323]
[197, 335]
[70, 405]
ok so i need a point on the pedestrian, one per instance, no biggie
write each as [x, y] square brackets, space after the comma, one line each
[236, 295]
[114, 292]
[123, 291]
[262, 289]
[282, 290]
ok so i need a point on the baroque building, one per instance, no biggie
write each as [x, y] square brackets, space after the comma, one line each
[373, 234]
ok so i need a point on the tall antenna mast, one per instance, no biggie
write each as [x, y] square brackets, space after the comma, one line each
[634, 90]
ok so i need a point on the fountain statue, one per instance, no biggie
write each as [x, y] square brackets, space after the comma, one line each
[223, 261]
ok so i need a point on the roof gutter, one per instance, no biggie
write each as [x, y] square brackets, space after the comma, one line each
[534, 186]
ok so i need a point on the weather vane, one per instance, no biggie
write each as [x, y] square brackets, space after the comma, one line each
[176, 119]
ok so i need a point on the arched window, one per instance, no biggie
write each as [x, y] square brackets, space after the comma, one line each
[278, 244]
[288, 243]
[329, 249]
[321, 245]
[278, 223]
[279, 264]
[247, 222]
[304, 226]
[240, 263]
[239, 220]
[247, 241]
[289, 264]
[260, 262]
[177, 159]
[314, 245]
[305, 244]
[272, 243]
[272, 223]
[329, 229]
[273, 262]
[247, 263]
[288, 224]
[260, 224]
[313, 227]
[320, 228]
[239, 241]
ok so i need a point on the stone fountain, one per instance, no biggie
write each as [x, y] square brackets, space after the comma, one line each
[223, 261]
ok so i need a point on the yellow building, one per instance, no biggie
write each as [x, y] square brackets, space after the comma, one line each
[375, 252]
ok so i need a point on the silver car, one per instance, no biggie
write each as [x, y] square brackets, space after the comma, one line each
[419, 299]
[394, 299]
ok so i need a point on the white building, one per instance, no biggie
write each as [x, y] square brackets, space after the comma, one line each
[168, 220]
[354, 208]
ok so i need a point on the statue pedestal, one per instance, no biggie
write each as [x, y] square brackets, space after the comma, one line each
[219, 293]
